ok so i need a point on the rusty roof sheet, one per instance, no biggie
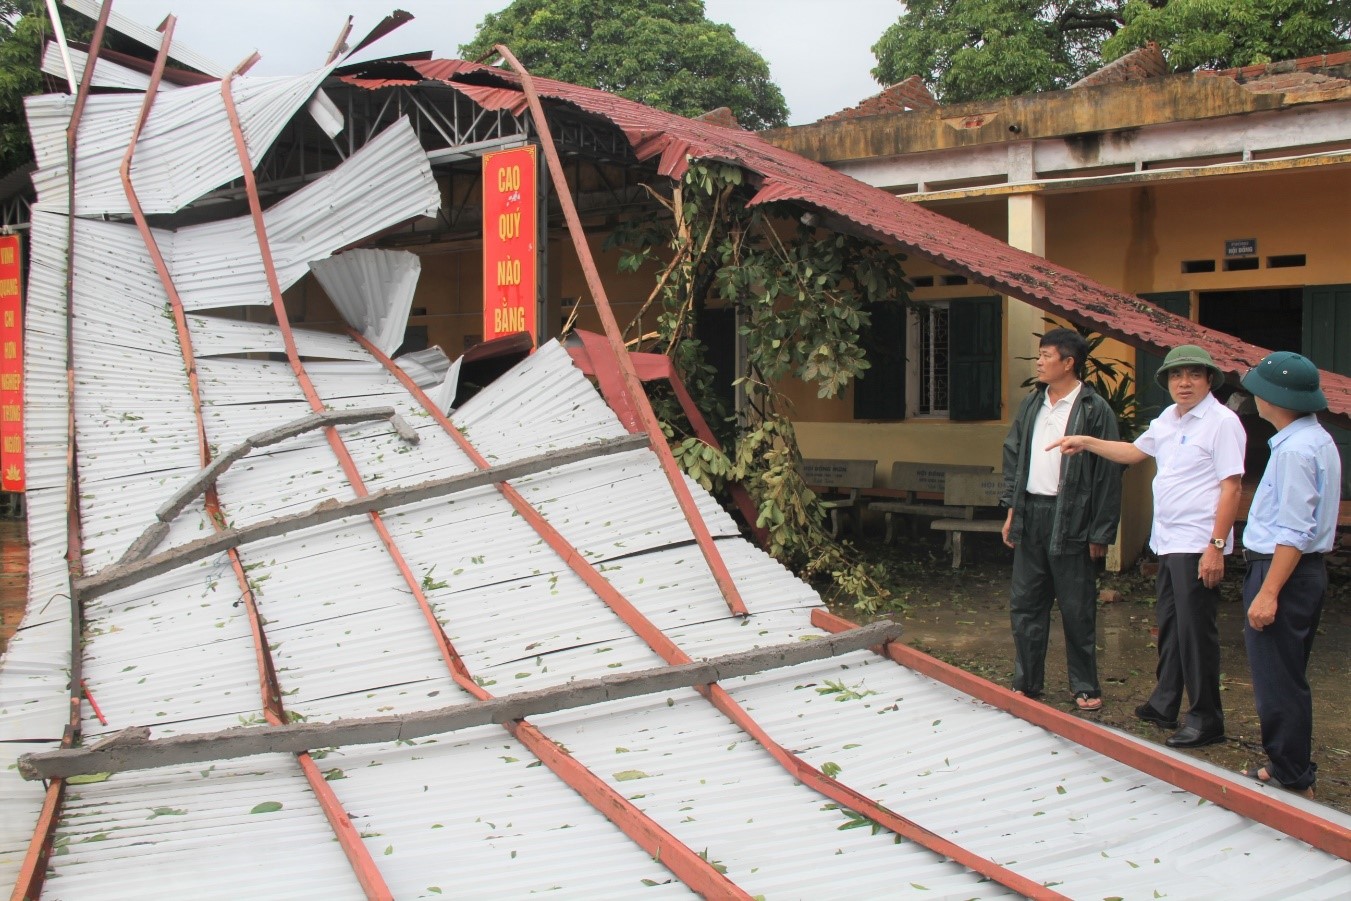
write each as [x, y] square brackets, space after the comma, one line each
[861, 208]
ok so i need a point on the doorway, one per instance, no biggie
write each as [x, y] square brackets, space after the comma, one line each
[1268, 317]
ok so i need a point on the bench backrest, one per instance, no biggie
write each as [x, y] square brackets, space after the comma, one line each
[974, 489]
[839, 473]
[930, 477]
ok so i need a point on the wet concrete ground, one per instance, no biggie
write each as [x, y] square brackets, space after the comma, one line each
[962, 618]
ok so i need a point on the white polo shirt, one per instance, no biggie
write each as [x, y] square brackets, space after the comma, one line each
[1043, 470]
[1194, 453]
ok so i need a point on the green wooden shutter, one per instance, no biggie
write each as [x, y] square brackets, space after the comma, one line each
[1151, 396]
[1327, 342]
[880, 392]
[975, 337]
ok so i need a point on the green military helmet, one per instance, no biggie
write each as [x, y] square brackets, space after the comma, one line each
[1288, 380]
[1188, 355]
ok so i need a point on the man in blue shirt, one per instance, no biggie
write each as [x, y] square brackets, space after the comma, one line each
[1292, 523]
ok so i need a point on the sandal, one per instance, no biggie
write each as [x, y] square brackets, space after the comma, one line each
[1263, 775]
[1088, 703]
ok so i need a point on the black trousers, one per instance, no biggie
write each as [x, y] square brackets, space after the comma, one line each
[1041, 578]
[1189, 644]
[1279, 658]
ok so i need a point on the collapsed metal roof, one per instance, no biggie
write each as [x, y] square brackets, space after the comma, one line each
[356, 589]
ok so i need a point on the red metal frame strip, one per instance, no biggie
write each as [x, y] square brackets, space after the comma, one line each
[650, 367]
[678, 857]
[1252, 803]
[33, 869]
[632, 386]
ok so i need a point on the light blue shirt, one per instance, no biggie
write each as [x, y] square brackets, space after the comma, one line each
[1300, 494]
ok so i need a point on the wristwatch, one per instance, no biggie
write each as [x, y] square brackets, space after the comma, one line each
[1217, 543]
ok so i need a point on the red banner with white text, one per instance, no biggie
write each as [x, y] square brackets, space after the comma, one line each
[11, 365]
[509, 243]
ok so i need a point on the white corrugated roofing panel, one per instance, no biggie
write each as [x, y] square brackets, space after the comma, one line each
[705, 780]
[248, 828]
[384, 183]
[107, 74]
[186, 148]
[373, 290]
[1045, 806]
[217, 336]
[502, 826]
[149, 37]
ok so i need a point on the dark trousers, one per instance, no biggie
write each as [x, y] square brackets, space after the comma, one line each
[1039, 579]
[1279, 658]
[1189, 644]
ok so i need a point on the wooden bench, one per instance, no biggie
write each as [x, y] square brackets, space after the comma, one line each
[843, 479]
[930, 479]
[978, 495]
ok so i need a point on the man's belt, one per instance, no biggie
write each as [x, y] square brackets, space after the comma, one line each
[1254, 557]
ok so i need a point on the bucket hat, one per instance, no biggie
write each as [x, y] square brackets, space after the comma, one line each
[1287, 380]
[1188, 355]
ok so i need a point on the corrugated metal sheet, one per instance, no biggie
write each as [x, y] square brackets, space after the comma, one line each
[373, 289]
[783, 175]
[149, 37]
[107, 74]
[167, 171]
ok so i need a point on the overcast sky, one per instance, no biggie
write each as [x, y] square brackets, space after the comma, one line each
[819, 51]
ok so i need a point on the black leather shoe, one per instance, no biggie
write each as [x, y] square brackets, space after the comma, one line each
[1192, 737]
[1150, 715]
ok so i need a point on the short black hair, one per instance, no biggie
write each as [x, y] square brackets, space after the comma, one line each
[1068, 343]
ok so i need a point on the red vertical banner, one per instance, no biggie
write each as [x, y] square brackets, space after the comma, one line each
[509, 242]
[11, 366]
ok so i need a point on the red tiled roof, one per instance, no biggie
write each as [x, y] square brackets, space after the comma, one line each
[904, 95]
[781, 175]
[1143, 62]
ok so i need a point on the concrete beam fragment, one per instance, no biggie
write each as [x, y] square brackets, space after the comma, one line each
[124, 573]
[132, 750]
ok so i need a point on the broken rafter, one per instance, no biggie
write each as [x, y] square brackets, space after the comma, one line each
[121, 575]
[154, 534]
[131, 749]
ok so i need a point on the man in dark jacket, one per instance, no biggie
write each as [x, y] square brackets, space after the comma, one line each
[1063, 512]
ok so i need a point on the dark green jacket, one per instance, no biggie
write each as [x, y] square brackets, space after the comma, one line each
[1088, 506]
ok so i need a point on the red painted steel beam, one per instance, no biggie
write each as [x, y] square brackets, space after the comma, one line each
[632, 386]
[1249, 802]
[33, 869]
[651, 367]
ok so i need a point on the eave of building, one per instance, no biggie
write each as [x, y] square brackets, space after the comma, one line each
[1051, 114]
[1075, 184]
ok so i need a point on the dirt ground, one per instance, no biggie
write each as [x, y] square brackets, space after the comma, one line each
[961, 617]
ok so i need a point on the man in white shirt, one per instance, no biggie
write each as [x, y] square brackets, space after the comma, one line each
[1198, 445]
[1062, 515]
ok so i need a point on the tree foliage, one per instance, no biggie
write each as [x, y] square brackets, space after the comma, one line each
[663, 53]
[802, 298]
[980, 49]
[1219, 34]
[24, 28]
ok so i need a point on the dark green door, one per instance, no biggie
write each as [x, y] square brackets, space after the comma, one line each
[1327, 341]
[975, 335]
